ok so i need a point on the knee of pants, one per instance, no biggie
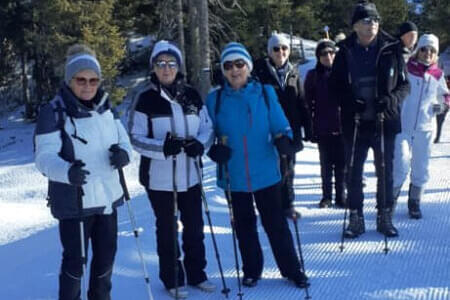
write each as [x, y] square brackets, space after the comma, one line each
[73, 270]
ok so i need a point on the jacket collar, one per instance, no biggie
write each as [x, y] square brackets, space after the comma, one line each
[418, 69]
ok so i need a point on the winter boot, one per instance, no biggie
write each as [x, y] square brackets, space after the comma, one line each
[301, 281]
[356, 227]
[415, 194]
[384, 223]
[325, 203]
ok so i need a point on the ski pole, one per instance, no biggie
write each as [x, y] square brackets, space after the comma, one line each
[82, 243]
[383, 175]
[225, 289]
[232, 221]
[300, 254]
[175, 221]
[135, 231]
[350, 176]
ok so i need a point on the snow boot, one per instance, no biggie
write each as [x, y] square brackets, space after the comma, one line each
[415, 194]
[292, 213]
[182, 292]
[384, 223]
[356, 227]
[249, 281]
[206, 286]
[325, 203]
[301, 281]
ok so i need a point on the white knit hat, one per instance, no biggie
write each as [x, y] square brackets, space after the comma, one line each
[276, 40]
[166, 47]
[233, 51]
[428, 40]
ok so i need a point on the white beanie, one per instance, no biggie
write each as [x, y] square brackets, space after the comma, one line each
[428, 40]
[276, 40]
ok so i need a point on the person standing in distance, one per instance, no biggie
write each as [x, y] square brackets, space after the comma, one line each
[277, 71]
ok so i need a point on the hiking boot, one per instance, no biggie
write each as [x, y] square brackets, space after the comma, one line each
[414, 195]
[249, 281]
[340, 202]
[182, 292]
[414, 209]
[384, 223]
[301, 281]
[206, 286]
[356, 227]
[292, 213]
[325, 203]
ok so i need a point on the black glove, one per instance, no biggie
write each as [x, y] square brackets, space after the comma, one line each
[193, 148]
[77, 175]
[387, 106]
[119, 157]
[172, 146]
[284, 145]
[359, 105]
[219, 153]
[297, 143]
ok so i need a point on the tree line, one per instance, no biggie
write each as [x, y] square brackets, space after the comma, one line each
[34, 34]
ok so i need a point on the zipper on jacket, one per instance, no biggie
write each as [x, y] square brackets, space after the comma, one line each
[418, 103]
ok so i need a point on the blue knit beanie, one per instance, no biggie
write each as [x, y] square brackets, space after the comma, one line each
[80, 62]
[233, 51]
[165, 47]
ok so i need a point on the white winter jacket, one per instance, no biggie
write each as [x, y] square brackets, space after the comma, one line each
[428, 88]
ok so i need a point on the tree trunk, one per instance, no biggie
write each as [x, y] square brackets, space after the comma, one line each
[180, 30]
[193, 50]
[29, 109]
[205, 61]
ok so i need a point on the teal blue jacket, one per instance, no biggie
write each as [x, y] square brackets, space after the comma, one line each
[250, 125]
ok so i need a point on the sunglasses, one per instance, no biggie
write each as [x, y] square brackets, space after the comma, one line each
[369, 20]
[325, 53]
[82, 81]
[427, 49]
[238, 63]
[277, 49]
[161, 64]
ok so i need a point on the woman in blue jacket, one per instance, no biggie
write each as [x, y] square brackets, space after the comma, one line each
[252, 128]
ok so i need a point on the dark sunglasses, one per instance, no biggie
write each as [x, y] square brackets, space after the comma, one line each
[369, 20]
[277, 49]
[82, 81]
[426, 49]
[161, 64]
[238, 63]
[326, 52]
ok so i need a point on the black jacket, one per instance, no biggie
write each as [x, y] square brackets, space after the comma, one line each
[391, 81]
[291, 98]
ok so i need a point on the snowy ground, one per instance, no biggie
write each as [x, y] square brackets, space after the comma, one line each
[416, 267]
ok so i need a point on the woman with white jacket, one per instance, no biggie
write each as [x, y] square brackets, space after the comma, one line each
[427, 98]
[170, 128]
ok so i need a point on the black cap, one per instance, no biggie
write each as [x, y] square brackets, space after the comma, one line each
[363, 10]
[407, 27]
[322, 44]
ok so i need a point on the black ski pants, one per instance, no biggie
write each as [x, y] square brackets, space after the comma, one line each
[275, 225]
[287, 167]
[369, 138]
[194, 262]
[332, 159]
[101, 230]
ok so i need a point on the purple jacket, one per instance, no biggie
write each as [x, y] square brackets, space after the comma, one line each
[325, 112]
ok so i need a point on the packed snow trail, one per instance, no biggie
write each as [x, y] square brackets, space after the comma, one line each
[416, 267]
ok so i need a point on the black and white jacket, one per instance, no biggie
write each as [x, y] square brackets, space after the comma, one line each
[155, 112]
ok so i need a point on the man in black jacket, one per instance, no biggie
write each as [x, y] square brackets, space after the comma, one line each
[368, 79]
[277, 71]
